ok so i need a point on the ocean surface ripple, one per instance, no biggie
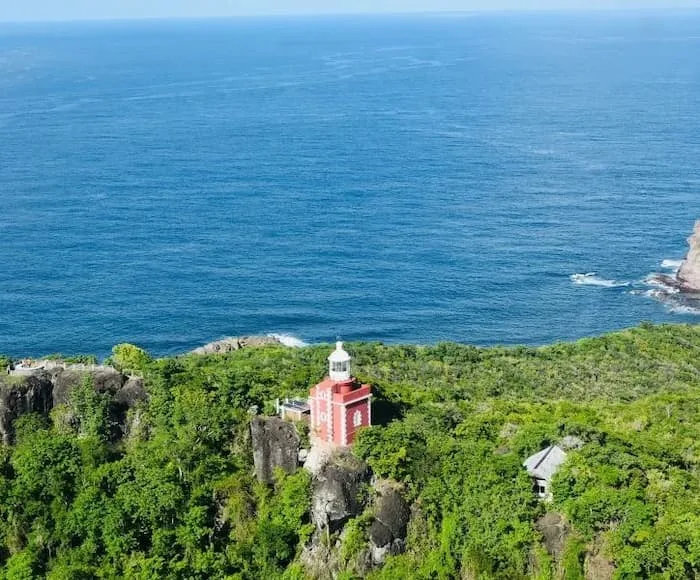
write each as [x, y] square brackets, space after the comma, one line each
[403, 179]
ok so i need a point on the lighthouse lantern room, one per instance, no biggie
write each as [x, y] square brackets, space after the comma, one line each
[340, 405]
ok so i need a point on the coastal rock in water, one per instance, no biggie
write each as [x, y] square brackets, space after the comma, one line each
[689, 273]
[275, 445]
[338, 491]
[19, 396]
[233, 343]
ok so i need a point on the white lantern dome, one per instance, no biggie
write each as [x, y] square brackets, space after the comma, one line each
[339, 363]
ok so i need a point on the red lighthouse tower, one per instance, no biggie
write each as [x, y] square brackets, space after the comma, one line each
[340, 405]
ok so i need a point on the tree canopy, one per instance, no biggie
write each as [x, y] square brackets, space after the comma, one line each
[176, 498]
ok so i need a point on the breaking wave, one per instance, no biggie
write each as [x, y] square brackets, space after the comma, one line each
[289, 340]
[671, 265]
[674, 301]
[592, 279]
[656, 286]
[684, 309]
[655, 281]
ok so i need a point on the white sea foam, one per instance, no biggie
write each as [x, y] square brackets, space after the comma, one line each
[592, 279]
[656, 294]
[670, 296]
[289, 340]
[657, 282]
[684, 309]
[671, 265]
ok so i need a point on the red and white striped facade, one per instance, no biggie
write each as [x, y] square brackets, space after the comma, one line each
[340, 405]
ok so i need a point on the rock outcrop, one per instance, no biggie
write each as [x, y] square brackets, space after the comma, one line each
[19, 396]
[689, 273]
[42, 390]
[387, 535]
[132, 392]
[233, 343]
[338, 492]
[342, 495]
[555, 531]
[275, 445]
[104, 380]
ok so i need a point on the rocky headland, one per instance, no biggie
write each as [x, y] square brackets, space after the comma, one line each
[688, 276]
[233, 343]
[686, 280]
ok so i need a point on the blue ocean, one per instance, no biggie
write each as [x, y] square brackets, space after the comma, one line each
[489, 179]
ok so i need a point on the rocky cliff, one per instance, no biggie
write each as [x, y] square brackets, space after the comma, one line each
[41, 391]
[387, 534]
[275, 446]
[689, 273]
[345, 502]
[339, 492]
[22, 395]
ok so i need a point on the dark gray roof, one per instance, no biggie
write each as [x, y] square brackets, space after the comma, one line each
[296, 405]
[543, 465]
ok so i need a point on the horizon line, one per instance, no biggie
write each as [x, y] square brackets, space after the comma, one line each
[283, 14]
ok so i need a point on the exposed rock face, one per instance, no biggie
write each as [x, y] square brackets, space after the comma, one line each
[131, 393]
[104, 379]
[555, 530]
[316, 458]
[32, 394]
[127, 397]
[235, 343]
[321, 561]
[341, 491]
[41, 391]
[275, 445]
[689, 273]
[338, 491]
[596, 565]
[387, 534]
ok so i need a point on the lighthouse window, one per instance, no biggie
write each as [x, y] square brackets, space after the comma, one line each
[357, 419]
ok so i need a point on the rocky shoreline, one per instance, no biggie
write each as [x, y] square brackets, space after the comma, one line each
[688, 276]
[233, 343]
[687, 279]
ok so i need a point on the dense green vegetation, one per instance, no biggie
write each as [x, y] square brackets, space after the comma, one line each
[175, 497]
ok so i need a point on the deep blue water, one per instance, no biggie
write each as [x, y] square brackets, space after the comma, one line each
[405, 179]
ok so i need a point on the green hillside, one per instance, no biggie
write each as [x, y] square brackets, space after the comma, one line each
[175, 496]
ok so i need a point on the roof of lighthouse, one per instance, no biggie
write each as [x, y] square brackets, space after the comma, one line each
[339, 354]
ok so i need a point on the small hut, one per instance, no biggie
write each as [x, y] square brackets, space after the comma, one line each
[294, 410]
[542, 466]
